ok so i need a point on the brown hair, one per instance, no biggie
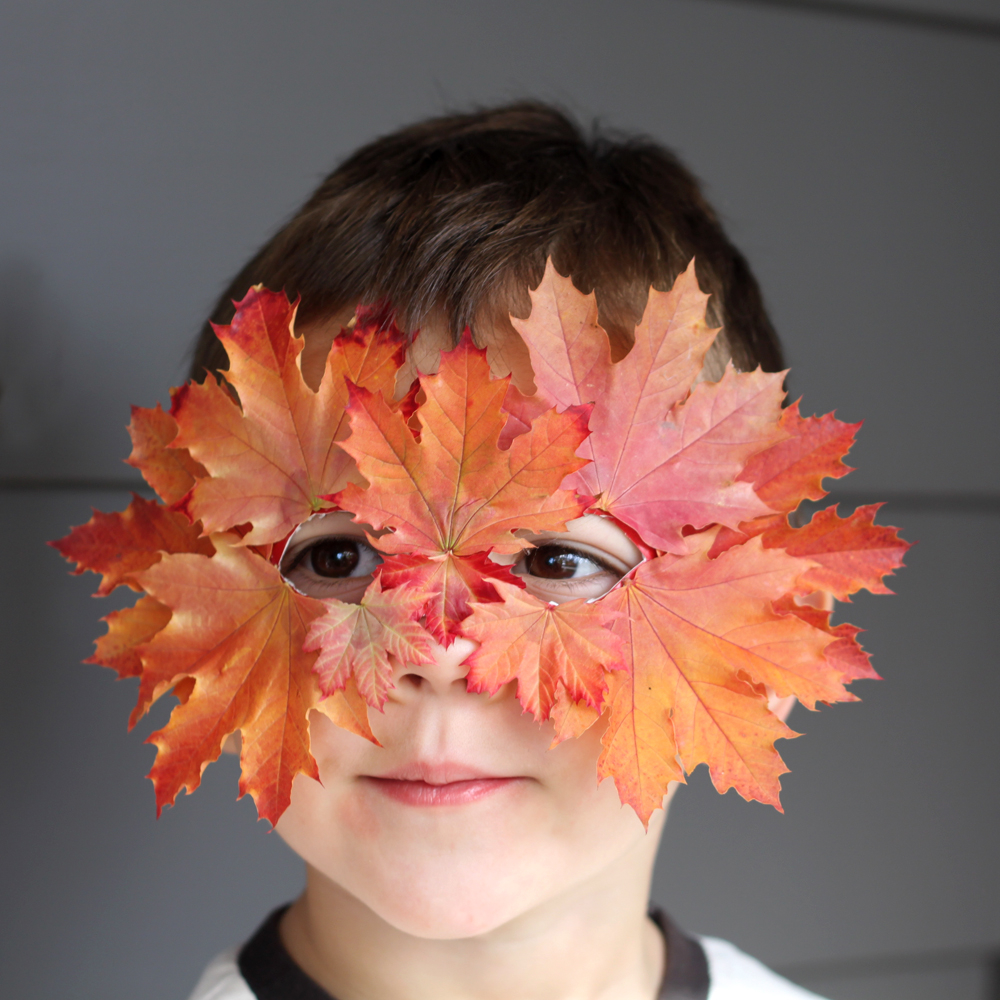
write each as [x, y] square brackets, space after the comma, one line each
[458, 214]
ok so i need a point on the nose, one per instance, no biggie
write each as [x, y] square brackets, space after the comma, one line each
[445, 674]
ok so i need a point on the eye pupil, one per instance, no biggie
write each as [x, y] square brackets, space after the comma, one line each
[337, 557]
[553, 562]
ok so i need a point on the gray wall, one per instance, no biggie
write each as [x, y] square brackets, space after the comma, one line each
[146, 149]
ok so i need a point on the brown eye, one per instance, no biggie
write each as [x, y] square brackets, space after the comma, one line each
[331, 566]
[333, 558]
[556, 562]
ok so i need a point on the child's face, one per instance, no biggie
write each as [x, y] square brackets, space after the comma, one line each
[463, 818]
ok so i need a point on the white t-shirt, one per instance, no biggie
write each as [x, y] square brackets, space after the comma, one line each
[733, 975]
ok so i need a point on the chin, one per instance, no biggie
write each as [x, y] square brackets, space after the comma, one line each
[436, 873]
[448, 873]
[450, 901]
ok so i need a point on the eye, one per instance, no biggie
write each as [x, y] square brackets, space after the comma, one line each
[333, 558]
[559, 571]
[559, 562]
[339, 566]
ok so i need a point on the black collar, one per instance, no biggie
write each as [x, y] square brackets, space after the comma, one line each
[272, 975]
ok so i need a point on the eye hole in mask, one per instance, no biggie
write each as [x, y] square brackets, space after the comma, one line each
[561, 571]
[331, 566]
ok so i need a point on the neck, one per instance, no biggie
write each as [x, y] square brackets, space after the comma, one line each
[592, 942]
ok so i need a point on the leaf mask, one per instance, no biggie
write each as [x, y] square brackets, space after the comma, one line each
[680, 656]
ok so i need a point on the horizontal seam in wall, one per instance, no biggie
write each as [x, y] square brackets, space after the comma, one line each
[956, 24]
[937, 960]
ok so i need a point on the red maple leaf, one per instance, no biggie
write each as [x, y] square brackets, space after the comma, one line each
[682, 654]
[447, 584]
[793, 469]
[451, 493]
[273, 455]
[851, 553]
[120, 545]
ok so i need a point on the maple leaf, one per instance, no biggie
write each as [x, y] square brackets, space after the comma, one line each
[521, 412]
[639, 751]
[572, 719]
[447, 584]
[236, 631]
[452, 491]
[170, 471]
[793, 469]
[359, 639]
[680, 655]
[664, 455]
[544, 647]
[844, 654]
[120, 545]
[570, 351]
[128, 630]
[348, 709]
[701, 640]
[851, 553]
[273, 455]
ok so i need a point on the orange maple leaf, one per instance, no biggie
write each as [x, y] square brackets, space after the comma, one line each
[359, 639]
[452, 492]
[701, 640]
[273, 455]
[546, 648]
[571, 719]
[639, 751]
[170, 471]
[234, 646]
[844, 654]
[664, 455]
[121, 545]
[128, 630]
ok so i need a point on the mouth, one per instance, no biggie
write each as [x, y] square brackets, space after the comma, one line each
[453, 793]
[438, 785]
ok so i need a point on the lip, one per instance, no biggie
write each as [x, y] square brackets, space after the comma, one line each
[438, 784]
[451, 793]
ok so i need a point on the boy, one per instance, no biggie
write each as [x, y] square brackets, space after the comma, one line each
[574, 513]
[489, 866]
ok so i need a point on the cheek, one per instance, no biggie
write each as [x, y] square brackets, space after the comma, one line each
[455, 871]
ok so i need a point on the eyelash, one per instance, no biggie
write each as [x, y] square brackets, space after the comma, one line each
[301, 571]
[303, 554]
[604, 565]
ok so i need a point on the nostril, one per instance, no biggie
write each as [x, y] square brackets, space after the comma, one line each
[411, 680]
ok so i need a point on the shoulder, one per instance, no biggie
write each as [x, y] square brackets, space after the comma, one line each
[736, 976]
[222, 980]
